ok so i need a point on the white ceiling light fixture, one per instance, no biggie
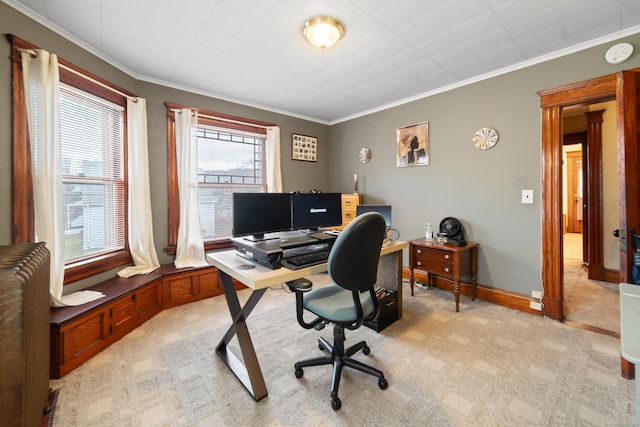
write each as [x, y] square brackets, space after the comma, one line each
[323, 31]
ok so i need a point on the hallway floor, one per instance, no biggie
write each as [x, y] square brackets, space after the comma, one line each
[590, 304]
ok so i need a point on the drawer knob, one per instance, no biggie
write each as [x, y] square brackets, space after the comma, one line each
[419, 251]
[419, 263]
[446, 256]
[446, 269]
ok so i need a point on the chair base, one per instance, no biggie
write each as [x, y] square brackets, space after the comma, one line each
[340, 357]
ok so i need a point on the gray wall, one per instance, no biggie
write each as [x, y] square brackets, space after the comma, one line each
[480, 188]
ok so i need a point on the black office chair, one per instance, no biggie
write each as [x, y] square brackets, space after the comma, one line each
[353, 267]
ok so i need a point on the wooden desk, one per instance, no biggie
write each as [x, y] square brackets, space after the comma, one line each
[259, 278]
[447, 261]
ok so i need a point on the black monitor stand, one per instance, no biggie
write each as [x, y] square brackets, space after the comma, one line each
[260, 237]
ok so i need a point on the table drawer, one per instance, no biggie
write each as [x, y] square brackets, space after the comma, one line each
[443, 269]
[350, 201]
[348, 215]
[434, 254]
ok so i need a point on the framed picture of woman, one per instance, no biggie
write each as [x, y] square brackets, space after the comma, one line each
[413, 145]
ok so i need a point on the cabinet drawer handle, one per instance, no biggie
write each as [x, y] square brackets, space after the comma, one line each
[446, 256]
[347, 203]
[419, 263]
[446, 269]
[348, 215]
[419, 251]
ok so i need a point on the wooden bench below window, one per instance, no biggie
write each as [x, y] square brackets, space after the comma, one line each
[79, 333]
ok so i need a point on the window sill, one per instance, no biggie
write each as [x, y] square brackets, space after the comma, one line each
[208, 246]
[83, 269]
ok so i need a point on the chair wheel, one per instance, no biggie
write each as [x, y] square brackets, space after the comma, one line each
[299, 372]
[336, 403]
[366, 350]
[382, 383]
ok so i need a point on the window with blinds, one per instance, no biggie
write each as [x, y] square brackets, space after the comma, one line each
[228, 161]
[92, 145]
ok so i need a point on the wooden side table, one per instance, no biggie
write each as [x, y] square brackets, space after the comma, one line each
[447, 261]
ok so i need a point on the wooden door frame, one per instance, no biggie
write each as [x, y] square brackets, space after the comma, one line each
[581, 138]
[552, 102]
[628, 131]
[594, 202]
[573, 209]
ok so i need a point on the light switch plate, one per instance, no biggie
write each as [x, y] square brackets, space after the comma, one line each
[527, 196]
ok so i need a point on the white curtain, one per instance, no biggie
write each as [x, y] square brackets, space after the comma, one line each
[140, 223]
[190, 246]
[274, 177]
[41, 87]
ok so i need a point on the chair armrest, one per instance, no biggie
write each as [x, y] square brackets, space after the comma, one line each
[300, 285]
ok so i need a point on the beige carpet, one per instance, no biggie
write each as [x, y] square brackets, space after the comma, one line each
[588, 302]
[484, 366]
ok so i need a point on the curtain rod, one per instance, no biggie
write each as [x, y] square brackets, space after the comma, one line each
[222, 119]
[34, 54]
[132, 98]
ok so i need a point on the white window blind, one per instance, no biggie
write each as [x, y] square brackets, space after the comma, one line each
[92, 145]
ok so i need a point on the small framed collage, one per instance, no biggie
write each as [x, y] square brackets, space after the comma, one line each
[304, 147]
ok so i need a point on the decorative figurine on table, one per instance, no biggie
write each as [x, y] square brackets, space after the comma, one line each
[355, 183]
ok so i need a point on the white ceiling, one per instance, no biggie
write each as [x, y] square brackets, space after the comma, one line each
[252, 51]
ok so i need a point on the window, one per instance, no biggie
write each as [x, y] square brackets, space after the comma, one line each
[93, 156]
[92, 141]
[231, 158]
[228, 162]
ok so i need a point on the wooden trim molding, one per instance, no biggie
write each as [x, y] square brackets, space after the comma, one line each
[497, 296]
[594, 195]
[551, 102]
[172, 182]
[628, 125]
[552, 210]
[588, 91]
[574, 138]
[224, 120]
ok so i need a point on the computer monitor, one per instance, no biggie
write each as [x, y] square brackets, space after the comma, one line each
[384, 210]
[312, 210]
[256, 214]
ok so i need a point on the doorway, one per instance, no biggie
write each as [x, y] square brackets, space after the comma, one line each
[574, 193]
[589, 166]
[623, 87]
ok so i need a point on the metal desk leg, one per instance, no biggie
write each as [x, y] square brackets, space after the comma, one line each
[248, 370]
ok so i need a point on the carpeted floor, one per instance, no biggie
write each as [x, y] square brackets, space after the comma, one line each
[588, 302]
[484, 366]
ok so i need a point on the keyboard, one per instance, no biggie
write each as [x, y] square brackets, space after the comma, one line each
[308, 259]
